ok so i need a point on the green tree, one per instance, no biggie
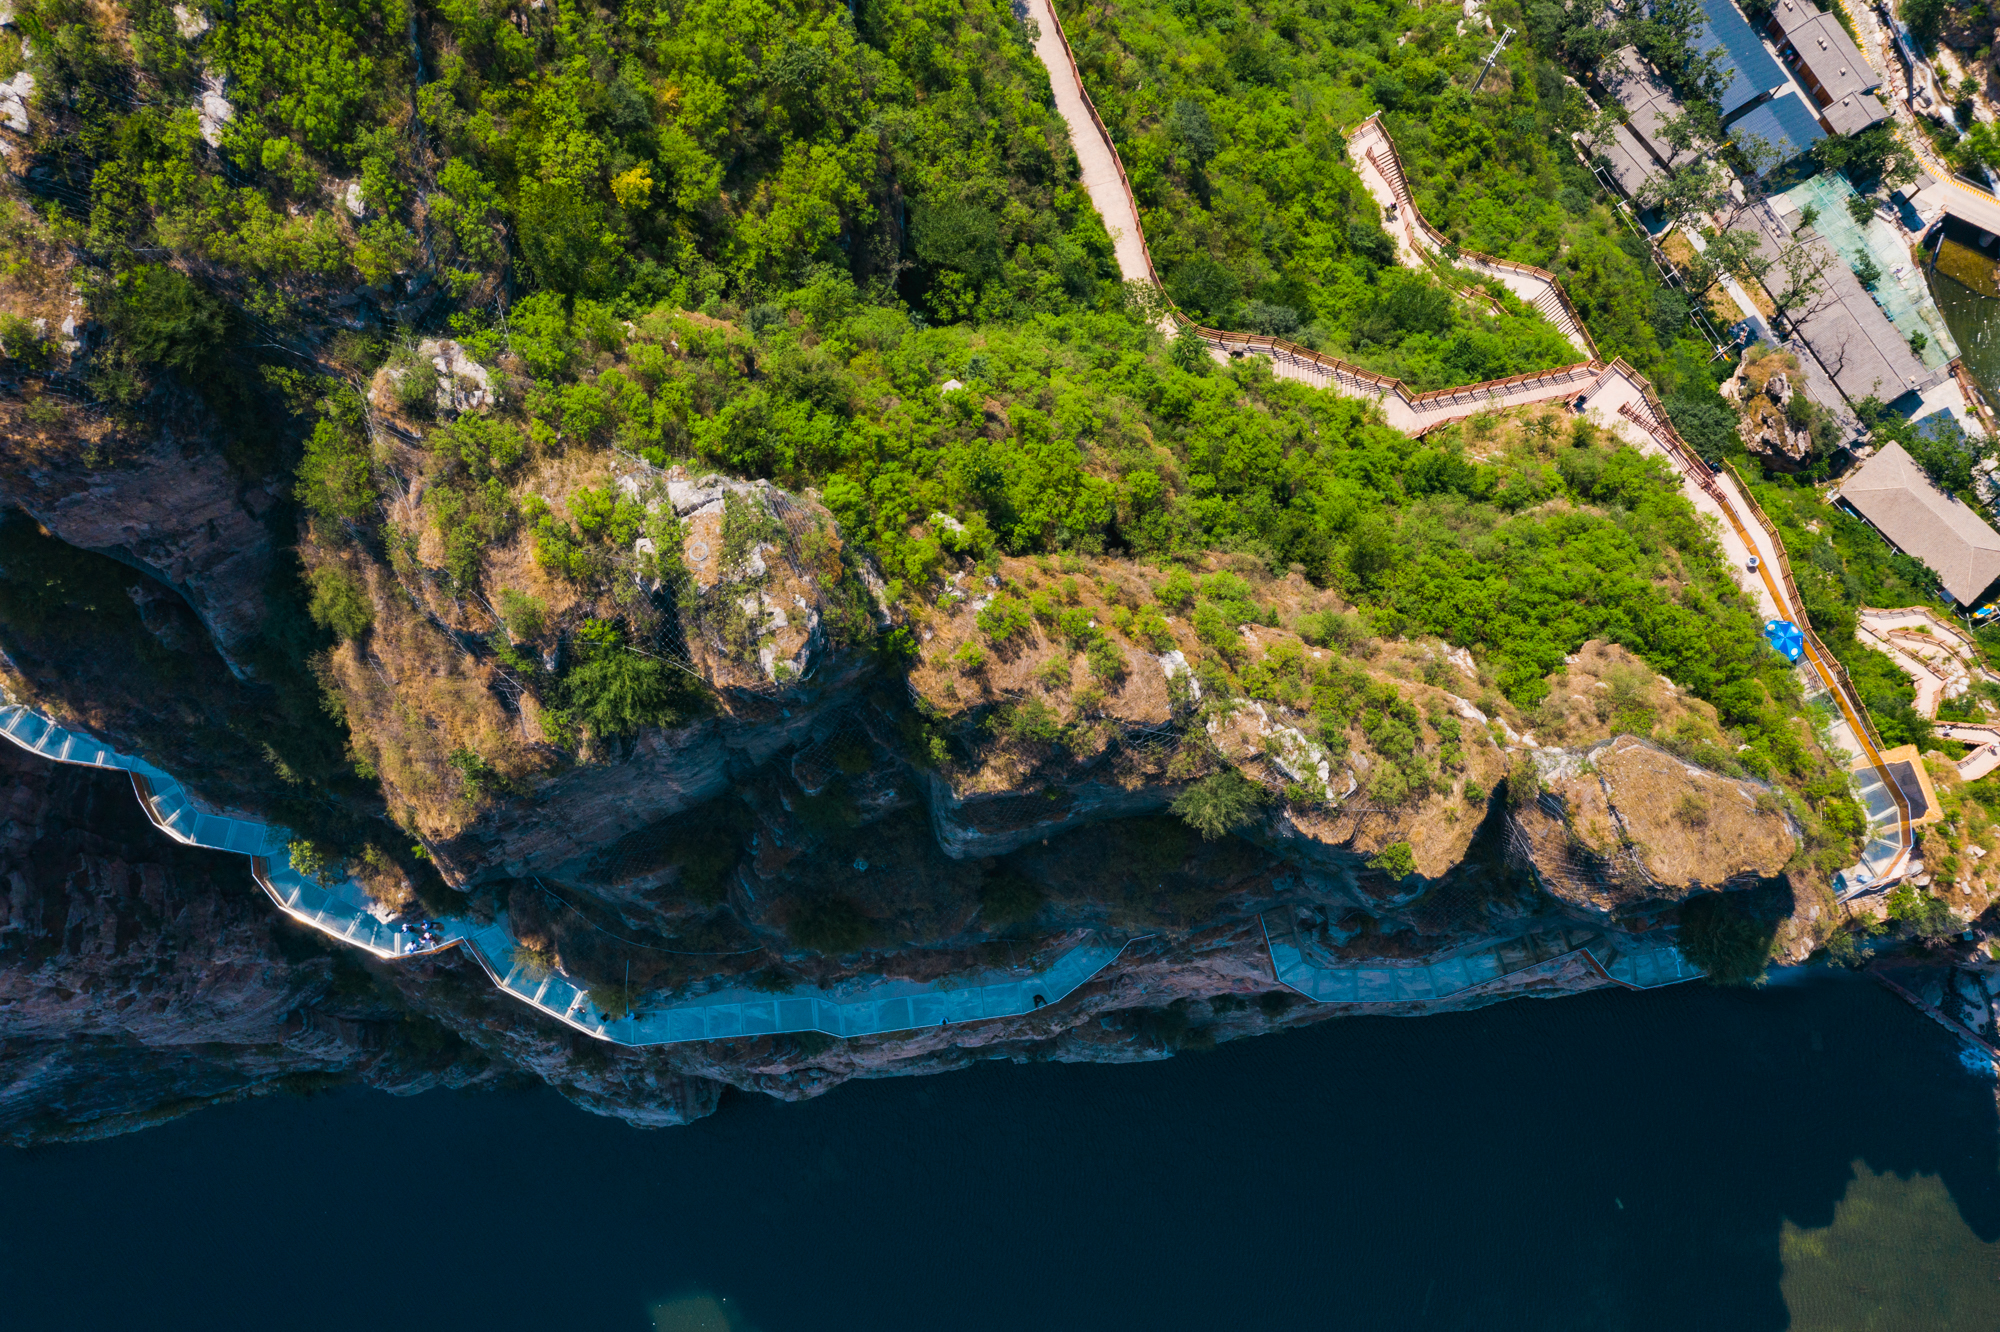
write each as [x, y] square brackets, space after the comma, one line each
[339, 602]
[1219, 804]
[335, 479]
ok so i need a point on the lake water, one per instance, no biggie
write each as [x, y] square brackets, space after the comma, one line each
[1815, 1155]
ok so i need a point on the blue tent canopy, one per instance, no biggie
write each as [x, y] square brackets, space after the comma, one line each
[1786, 638]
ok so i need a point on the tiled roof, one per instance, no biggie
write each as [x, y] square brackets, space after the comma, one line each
[1825, 49]
[1854, 112]
[1892, 492]
[1648, 101]
[1628, 161]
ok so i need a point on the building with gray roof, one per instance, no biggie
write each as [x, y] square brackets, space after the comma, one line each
[1892, 493]
[1853, 113]
[1777, 131]
[1828, 65]
[1630, 165]
[1841, 325]
[1638, 151]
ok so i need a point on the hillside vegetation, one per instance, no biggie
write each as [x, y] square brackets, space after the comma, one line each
[762, 241]
[1229, 117]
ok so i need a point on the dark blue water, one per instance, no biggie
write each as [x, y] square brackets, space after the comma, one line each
[1610, 1161]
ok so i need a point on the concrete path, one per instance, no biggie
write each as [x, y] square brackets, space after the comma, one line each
[1103, 173]
[1381, 170]
[1616, 395]
[1984, 758]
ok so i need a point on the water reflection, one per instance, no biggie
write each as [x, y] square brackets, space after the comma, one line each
[1898, 1255]
[1974, 321]
[698, 1311]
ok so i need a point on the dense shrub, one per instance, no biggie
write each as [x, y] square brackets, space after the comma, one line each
[339, 602]
[1219, 804]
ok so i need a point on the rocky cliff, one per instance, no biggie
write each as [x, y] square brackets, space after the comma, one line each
[162, 499]
[1173, 758]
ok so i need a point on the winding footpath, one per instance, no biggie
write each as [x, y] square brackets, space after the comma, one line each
[1615, 393]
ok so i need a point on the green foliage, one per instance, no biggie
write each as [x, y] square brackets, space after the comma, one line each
[313, 860]
[614, 691]
[1177, 590]
[1106, 658]
[1331, 629]
[162, 317]
[527, 617]
[1031, 722]
[415, 380]
[1726, 938]
[1219, 804]
[477, 778]
[746, 524]
[1230, 129]
[1396, 860]
[1004, 618]
[308, 68]
[20, 343]
[335, 479]
[340, 602]
[1922, 916]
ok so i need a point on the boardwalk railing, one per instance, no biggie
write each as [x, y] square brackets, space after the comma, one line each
[1553, 304]
[342, 909]
[1430, 409]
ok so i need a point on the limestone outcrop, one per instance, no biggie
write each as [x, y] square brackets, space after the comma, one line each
[1626, 821]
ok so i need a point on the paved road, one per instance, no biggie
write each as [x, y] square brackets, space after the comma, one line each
[1962, 200]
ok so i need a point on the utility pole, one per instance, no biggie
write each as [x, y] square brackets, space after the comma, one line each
[1491, 56]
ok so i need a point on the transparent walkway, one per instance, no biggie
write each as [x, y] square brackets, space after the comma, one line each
[1299, 963]
[344, 911]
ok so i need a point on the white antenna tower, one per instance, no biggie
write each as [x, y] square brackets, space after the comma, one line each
[1491, 56]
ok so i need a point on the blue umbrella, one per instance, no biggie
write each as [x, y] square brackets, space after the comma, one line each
[1786, 638]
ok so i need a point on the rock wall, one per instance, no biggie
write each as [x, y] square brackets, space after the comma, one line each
[169, 505]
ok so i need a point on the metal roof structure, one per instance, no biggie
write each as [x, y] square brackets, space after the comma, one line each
[1784, 124]
[1751, 70]
[1823, 47]
[1895, 496]
[1853, 113]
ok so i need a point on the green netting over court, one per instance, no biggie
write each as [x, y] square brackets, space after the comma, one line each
[1901, 291]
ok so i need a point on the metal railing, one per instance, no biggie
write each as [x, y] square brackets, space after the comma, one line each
[342, 910]
[1344, 373]
[1399, 181]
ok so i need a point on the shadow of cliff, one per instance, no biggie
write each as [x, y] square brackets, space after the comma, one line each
[1613, 1161]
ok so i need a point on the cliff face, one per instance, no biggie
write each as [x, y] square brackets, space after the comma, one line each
[817, 817]
[139, 978]
[168, 504]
